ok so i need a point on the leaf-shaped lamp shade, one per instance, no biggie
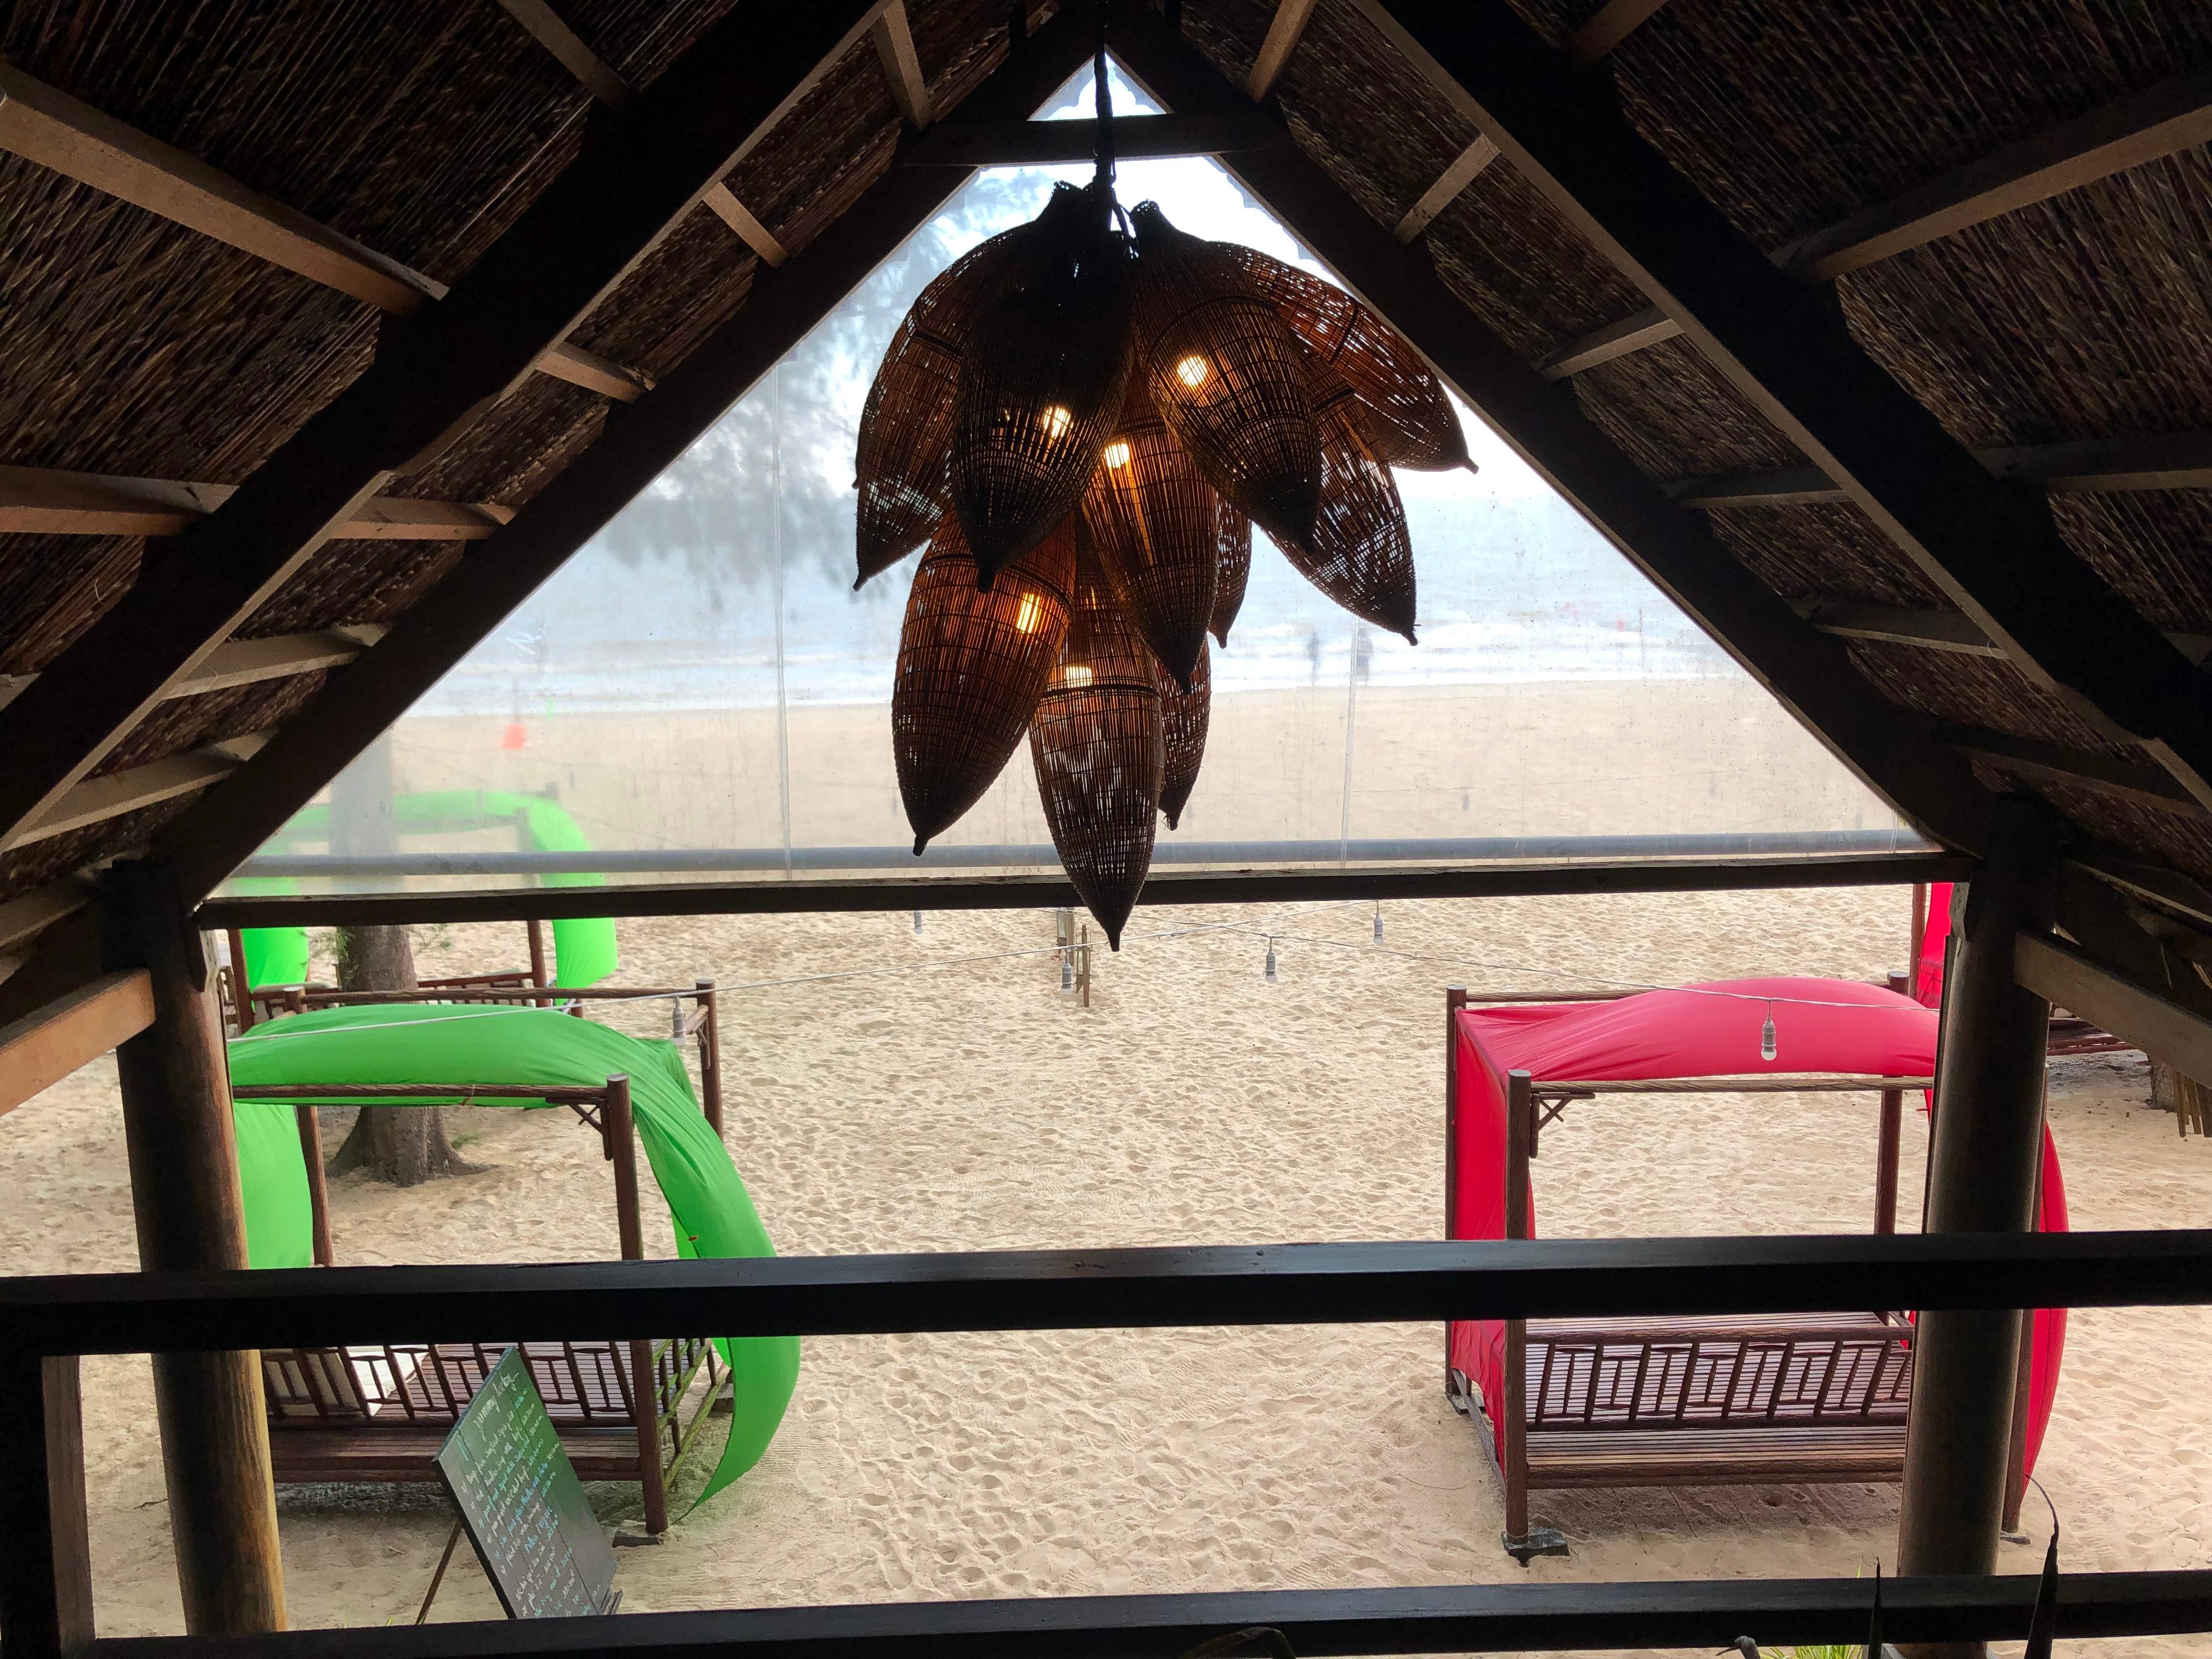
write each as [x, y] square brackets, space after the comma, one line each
[1042, 377]
[1403, 411]
[1233, 540]
[1361, 555]
[1152, 521]
[971, 665]
[906, 425]
[1225, 373]
[1184, 718]
[1100, 749]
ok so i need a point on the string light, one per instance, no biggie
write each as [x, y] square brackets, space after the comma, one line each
[1378, 922]
[1766, 1045]
[1270, 974]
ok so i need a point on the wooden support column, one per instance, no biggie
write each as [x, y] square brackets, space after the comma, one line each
[1521, 1540]
[644, 1394]
[185, 1192]
[1454, 1000]
[45, 1570]
[1986, 1147]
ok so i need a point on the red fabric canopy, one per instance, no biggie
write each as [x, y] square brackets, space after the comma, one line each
[1821, 1026]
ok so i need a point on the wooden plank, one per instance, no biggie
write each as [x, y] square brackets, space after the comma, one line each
[1615, 22]
[1810, 674]
[2037, 761]
[1994, 551]
[1128, 1289]
[1934, 630]
[37, 501]
[45, 1572]
[2164, 461]
[214, 837]
[750, 231]
[97, 800]
[973, 144]
[1440, 195]
[2069, 977]
[1647, 327]
[1284, 29]
[435, 374]
[249, 662]
[909, 87]
[24, 918]
[45, 125]
[41, 1049]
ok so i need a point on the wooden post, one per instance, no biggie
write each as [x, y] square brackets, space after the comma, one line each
[318, 1190]
[185, 1192]
[1982, 1173]
[1454, 1000]
[1919, 933]
[1513, 1430]
[45, 1570]
[2015, 1488]
[241, 984]
[710, 1054]
[538, 974]
[1885, 1161]
[645, 1397]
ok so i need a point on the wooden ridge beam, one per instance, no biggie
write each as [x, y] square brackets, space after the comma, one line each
[967, 143]
[1992, 549]
[37, 501]
[45, 125]
[2072, 978]
[1935, 630]
[2181, 460]
[44, 1046]
[220, 832]
[109, 796]
[1283, 30]
[2037, 761]
[248, 662]
[436, 372]
[1811, 675]
[2145, 127]
[545, 26]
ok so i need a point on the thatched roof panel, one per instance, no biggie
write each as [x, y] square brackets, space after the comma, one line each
[2185, 839]
[53, 587]
[1677, 418]
[1980, 692]
[1822, 550]
[185, 723]
[42, 861]
[353, 582]
[2153, 545]
[1507, 253]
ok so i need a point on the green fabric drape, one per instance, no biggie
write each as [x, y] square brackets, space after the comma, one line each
[454, 1045]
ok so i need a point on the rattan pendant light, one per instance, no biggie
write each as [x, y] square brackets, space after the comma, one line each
[906, 425]
[1184, 715]
[1099, 748]
[1232, 535]
[1152, 521]
[1224, 371]
[1042, 377]
[1403, 412]
[971, 665]
[1360, 554]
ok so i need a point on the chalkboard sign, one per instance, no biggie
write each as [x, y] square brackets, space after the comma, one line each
[524, 1507]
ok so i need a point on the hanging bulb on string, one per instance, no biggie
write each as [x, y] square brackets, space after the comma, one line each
[1378, 922]
[1766, 1048]
[1270, 974]
[917, 922]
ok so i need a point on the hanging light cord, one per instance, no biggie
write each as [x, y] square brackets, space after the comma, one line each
[1103, 101]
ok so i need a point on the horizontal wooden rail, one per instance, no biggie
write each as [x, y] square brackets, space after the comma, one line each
[1434, 1619]
[1102, 1290]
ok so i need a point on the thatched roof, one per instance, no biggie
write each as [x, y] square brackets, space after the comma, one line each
[140, 348]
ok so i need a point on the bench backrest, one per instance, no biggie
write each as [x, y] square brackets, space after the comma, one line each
[1718, 1374]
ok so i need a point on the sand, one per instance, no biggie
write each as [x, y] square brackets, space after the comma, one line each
[920, 1104]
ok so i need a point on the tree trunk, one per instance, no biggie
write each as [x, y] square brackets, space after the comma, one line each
[403, 1144]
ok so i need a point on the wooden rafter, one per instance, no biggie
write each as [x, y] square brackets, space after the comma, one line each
[44, 1047]
[970, 144]
[546, 26]
[2091, 466]
[2036, 762]
[1990, 548]
[435, 373]
[909, 87]
[217, 833]
[24, 918]
[1809, 673]
[2163, 120]
[1283, 30]
[97, 800]
[43, 125]
[43, 501]
[2072, 978]
[250, 662]
[1615, 22]
[1440, 195]
[1935, 630]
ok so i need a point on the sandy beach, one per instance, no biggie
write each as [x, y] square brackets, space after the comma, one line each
[898, 1099]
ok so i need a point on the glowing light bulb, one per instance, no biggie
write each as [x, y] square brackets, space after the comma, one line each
[1766, 1048]
[1117, 453]
[1026, 618]
[1076, 673]
[1056, 421]
[1192, 371]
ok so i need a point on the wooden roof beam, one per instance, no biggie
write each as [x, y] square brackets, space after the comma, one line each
[43, 125]
[1440, 195]
[2162, 120]
[2181, 460]
[44, 1047]
[909, 87]
[2034, 761]
[1283, 30]
[435, 374]
[250, 662]
[546, 26]
[2072, 978]
[219, 832]
[44, 501]
[1615, 22]
[1810, 674]
[97, 800]
[1935, 630]
[1990, 548]
[23, 918]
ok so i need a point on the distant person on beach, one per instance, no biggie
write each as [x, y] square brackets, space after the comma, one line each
[1313, 653]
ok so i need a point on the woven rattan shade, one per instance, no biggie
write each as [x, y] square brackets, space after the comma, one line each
[1232, 534]
[1225, 373]
[1404, 413]
[1042, 377]
[1100, 750]
[1361, 555]
[971, 665]
[1153, 523]
[1184, 719]
[906, 426]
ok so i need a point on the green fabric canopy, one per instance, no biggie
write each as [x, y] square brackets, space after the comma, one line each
[452, 1045]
